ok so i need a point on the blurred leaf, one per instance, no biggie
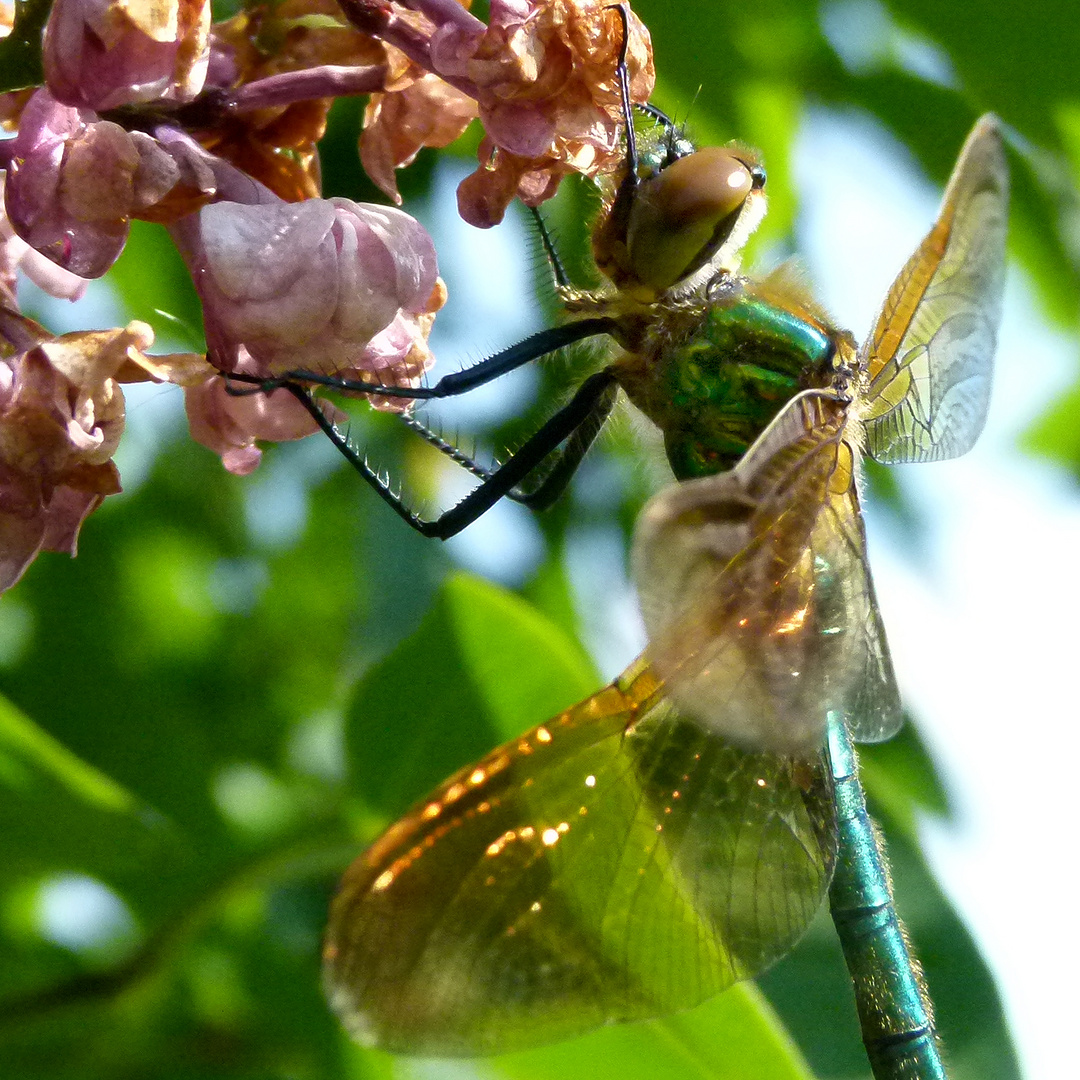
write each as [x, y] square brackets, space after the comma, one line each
[153, 281]
[712, 1042]
[1000, 78]
[902, 782]
[482, 667]
[1057, 433]
[20, 51]
[27, 754]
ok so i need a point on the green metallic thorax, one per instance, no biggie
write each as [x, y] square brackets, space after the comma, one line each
[713, 375]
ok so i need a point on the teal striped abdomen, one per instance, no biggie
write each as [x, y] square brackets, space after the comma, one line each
[894, 1014]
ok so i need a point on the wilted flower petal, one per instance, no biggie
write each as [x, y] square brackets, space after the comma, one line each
[61, 416]
[549, 96]
[484, 195]
[104, 53]
[544, 73]
[428, 112]
[291, 117]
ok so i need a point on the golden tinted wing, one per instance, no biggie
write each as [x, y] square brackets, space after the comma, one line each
[616, 863]
[756, 593]
[929, 360]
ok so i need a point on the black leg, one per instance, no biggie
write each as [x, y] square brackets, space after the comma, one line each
[584, 413]
[619, 215]
[558, 271]
[562, 469]
[459, 382]
[555, 475]
[454, 453]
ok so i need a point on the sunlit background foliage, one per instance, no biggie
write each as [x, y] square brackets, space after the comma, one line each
[239, 681]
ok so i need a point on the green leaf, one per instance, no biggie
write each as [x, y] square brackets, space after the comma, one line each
[712, 1042]
[482, 667]
[902, 782]
[20, 51]
[28, 755]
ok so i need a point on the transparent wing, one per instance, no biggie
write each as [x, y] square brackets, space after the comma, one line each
[930, 357]
[617, 863]
[757, 596]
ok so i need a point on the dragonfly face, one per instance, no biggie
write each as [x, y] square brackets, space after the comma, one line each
[683, 214]
[675, 832]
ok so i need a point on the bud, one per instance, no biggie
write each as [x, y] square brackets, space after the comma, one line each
[100, 54]
[74, 182]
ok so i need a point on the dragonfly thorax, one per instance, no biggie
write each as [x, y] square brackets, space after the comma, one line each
[713, 372]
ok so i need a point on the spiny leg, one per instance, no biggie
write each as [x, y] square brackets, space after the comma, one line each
[577, 424]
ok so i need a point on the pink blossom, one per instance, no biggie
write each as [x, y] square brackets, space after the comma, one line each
[231, 425]
[104, 53]
[327, 284]
[75, 181]
[16, 254]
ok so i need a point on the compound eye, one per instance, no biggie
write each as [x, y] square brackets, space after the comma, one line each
[683, 214]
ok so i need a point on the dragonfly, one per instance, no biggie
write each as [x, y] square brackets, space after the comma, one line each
[677, 831]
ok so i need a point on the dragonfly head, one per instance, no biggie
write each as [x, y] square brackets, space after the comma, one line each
[695, 212]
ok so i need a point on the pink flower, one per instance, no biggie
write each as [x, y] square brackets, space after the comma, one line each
[327, 284]
[104, 53]
[61, 415]
[231, 425]
[16, 254]
[74, 182]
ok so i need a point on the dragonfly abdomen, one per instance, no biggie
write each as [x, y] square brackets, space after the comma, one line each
[894, 1009]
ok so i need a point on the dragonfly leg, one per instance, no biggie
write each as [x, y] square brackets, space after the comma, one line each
[577, 424]
[458, 382]
[555, 474]
[559, 276]
[619, 215]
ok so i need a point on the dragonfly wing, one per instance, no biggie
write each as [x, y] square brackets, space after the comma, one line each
[862, 686]
[929, 360]
[756, 593]
[617, 863]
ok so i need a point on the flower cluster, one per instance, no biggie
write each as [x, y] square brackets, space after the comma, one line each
[148, 111]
